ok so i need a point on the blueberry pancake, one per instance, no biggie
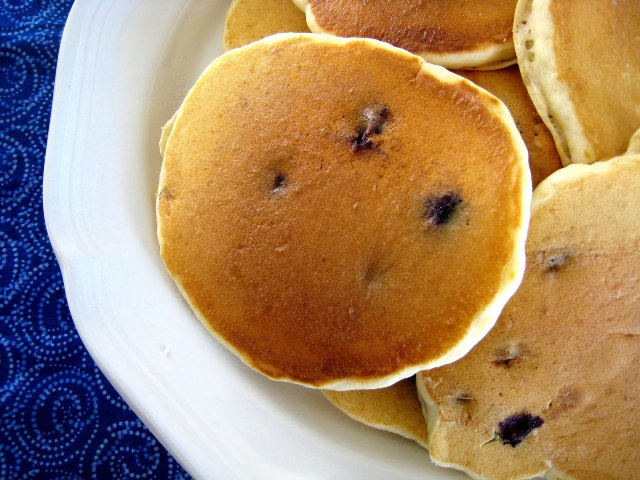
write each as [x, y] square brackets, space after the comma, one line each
[580, 61]
[554, 389]
[339, 213]
[452, 33]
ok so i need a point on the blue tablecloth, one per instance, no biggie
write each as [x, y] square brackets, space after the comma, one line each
[59, 417]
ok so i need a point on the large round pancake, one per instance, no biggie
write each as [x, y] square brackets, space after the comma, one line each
[507, 85]
[454, 34]
[251, 20]
[580, 62]
[395, 409]
[339, 213]
[554, 388]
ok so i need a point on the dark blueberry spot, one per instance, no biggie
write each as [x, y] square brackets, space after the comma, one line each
[279, 183]
[554, 262]
[514, 429]
[504, 361]
[439, 210]
[463, 398]
[506, 356]
[372, 121]
[360, 142]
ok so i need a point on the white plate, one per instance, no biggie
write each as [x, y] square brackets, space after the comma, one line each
[124, 67]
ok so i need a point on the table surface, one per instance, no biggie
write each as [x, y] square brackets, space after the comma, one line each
[60, 418]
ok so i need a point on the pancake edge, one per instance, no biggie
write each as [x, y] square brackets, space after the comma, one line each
[378, 426]
[225, 33]
[491, 57]
[166, 132]
[539, 70]
[634, 143]
[542, 194]
[512, 272]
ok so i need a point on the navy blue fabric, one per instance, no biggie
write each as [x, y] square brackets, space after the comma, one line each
[59, 417]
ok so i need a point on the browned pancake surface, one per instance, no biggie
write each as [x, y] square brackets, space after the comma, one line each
[506, 84]
[555, 384]
[441, 26]
[321, 253]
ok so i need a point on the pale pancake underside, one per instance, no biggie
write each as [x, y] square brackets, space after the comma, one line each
[511, 274]
[491, 363]
[533, 41]
[395, 409]
[557, 88]
[490, 57]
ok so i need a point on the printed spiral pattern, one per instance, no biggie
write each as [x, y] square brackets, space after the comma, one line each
[60, 419]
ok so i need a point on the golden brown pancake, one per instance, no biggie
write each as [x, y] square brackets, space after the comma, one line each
[506, 84]
[580, 62]
[341, 214]
[395, 409]
[451, 33]
[251, 20]
[554, 388]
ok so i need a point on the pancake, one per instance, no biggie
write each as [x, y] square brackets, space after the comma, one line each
[454, 34]
[395, 409]
[553, 389]
[341, 214]
[251, 20]
[580, 63]
[506, 84]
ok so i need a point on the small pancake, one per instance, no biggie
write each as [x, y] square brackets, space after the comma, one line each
[341, 214]
[580, 63]
[506, 84]
[454, 34]
[394, 409]
[554, 388]
[251, 20]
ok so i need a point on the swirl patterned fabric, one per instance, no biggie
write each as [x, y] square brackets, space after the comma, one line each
[59, 417]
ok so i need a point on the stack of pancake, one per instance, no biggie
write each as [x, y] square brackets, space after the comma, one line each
[352, 210]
